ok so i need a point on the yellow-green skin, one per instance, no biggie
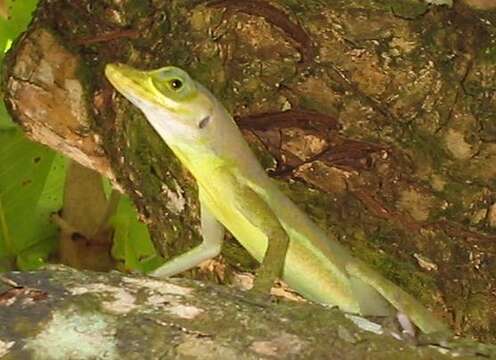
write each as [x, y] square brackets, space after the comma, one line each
[239, 194]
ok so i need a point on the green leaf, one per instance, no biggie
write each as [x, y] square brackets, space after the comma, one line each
[31, 187]
[5, 121]
[132, 243]
[31, 175]
[19, 15]
[35, 256]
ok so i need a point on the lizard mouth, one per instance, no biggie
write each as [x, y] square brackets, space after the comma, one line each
[133, 84]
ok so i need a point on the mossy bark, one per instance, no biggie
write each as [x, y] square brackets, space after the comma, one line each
[377, 118]
[66, 314]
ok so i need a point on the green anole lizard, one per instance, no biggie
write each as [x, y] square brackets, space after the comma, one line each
[236, 193]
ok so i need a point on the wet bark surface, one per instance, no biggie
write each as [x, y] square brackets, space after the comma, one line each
[376, 117]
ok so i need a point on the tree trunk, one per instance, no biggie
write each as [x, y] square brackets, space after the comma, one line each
[376, 117]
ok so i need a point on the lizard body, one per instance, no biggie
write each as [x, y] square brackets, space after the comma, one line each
[236, 193]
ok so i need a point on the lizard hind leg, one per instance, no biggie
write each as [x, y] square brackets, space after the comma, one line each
[256, 210]
[273, 263]
[397, 297]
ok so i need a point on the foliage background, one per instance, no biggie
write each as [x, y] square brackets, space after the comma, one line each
[32, 185]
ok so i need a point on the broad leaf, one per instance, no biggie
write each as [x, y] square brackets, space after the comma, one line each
[132, 243]
[31, 179]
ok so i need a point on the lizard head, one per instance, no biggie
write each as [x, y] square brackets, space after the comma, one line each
[174, 103]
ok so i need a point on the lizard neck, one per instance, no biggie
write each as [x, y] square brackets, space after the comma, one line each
[201, 161]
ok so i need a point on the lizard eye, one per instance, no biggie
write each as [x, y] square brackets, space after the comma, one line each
[172, 82]
[176, 84]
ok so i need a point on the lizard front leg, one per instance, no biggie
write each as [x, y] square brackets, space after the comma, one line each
[213, 236]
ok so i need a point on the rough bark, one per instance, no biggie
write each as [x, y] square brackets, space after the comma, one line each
[387, 139]
[66, 314]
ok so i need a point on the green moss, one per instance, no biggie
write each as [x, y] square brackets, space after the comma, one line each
[24, 325]
[473, 87]
[489, 54]
[310, 103]
[137, 9]
[409, 9]
[236, 255]
[316, 204]
[264, 157]
[458, 195]
[89, 303]
[478, 309]
[405, 274]
[210, 73]
[425, 148]
[299, 7]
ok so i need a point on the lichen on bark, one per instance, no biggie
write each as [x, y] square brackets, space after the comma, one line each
[59, 314]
